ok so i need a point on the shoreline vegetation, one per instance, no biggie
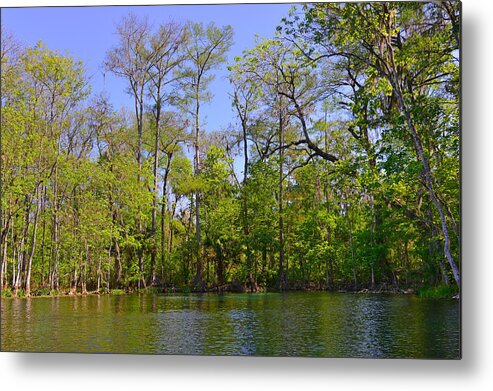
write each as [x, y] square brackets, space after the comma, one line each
[341, 171]
[439, 292]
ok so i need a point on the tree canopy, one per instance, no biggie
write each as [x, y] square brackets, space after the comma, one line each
[342, 171]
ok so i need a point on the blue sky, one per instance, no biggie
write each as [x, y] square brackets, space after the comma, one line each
[88, 32]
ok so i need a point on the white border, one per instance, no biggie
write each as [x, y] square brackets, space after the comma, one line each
[473, 372]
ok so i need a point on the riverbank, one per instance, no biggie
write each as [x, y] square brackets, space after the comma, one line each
[439, 292]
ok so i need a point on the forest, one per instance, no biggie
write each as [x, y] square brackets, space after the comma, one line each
[341, 171]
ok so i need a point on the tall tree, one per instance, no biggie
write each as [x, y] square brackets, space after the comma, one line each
[166, 55]
[205, 51]
[410, 51]
[133, 61]
[245, 102]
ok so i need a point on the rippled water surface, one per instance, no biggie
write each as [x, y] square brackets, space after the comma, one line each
[271, 324]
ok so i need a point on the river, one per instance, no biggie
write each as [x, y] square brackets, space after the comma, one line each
[313, 324]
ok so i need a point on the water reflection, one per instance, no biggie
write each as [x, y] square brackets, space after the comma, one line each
[292, 324]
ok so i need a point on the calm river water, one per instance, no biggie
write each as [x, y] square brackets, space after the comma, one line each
[272, 324]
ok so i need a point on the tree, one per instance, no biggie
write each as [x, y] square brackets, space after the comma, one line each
[245, 103]
[407, 49]
[166, 56]
[132, 60]
[347, 138]
[205, 51]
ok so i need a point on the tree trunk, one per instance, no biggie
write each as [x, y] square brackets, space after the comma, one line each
[139, 109]
[163, 213]
[73, 285]
[246, 227]
[98, 287]
[22, 256]
[154, 195]
[33, 245]
[43, 238]
[353, 263]
[220, 266]
[84, 270]
[14, 250]
[199, 278]
[118, 263]
[430, 187]
[54, 280]
[435, 245]
[406, 263]
[418, 145]
[3, 267]
[329, 264]
[3, 255]
[280, 280]
[372, 276]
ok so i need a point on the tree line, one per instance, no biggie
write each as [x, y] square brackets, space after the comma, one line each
[342, 170]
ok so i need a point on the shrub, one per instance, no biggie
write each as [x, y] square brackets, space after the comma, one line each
[438, 292]
[6, 293]
[42, 292]
[117, 292]
[151, 289]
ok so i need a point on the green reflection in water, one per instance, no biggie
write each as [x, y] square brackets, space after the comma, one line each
[273, 324]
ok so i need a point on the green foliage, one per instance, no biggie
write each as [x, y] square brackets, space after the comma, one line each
[41, 292]
[150, 290]
[341, 85]
[438, 292]
[186, 289]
